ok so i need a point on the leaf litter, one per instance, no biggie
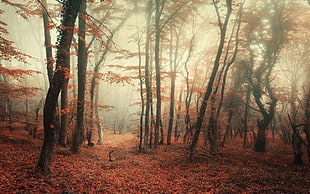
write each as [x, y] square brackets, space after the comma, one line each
[235, 170]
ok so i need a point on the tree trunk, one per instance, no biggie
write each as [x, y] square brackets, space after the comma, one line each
[157, 68]
[99, 127]
[63, 66]
[173, 66]
[171, 112]
[147, 76]
[260, 141]
[78, 133]
[142, 99]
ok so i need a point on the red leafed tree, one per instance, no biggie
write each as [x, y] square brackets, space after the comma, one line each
[71, 9]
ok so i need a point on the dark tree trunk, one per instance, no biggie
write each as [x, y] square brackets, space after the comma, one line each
[78, 133]
[62, 65]
[297, 142]
[157, 68]
[260, 141]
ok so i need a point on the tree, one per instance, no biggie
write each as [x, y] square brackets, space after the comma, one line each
[203, 107]
[266, 37]
[71, 8]
[228, 61]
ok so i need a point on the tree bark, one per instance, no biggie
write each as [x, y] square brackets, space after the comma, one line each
[62, 68]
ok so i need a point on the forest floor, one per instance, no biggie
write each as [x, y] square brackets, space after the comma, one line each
[234, 170]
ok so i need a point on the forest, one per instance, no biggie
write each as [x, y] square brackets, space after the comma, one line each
[154, 96]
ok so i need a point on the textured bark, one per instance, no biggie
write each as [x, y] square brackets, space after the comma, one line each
[62, 65]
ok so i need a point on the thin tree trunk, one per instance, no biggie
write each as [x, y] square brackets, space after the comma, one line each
[173, 66]
[63, 66]
[157, 76]
[142, 99]
[147, 76]
[99, 127]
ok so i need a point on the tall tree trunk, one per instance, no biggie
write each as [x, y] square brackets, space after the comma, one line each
[142, 98]
[78, 133]
[62, 68]
[173, 69]
[157, 76]
[147, 75]
[208, 92]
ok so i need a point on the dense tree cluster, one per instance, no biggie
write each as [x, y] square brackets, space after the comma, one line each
[205, 71]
